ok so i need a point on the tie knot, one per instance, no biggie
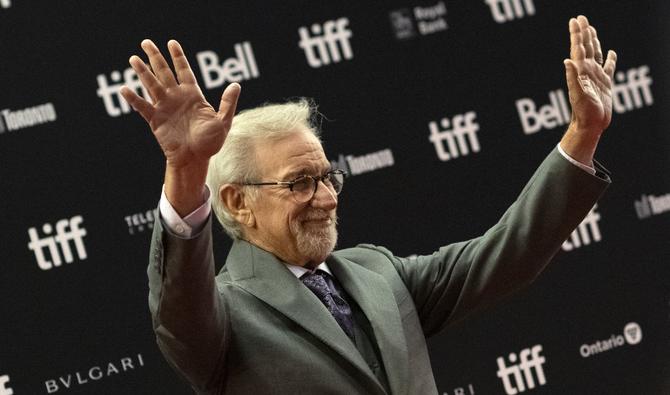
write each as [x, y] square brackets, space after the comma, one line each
[316, 282]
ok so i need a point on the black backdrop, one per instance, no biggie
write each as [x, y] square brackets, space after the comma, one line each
[84, 177]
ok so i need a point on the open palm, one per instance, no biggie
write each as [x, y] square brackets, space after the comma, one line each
[188, 129]
[589, 78]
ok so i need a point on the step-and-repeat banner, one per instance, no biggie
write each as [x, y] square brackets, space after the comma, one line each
[439, 110]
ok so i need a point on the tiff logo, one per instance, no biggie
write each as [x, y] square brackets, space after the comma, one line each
[66, 230]
[4, 390]
[322, 48]
[457, 136]
[5, 4]
[508, 10]
[630, 91]
[235, 69]
[581, 236]
[511, 376]
[115, 105]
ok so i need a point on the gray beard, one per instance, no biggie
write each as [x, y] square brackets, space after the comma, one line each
[315, 242]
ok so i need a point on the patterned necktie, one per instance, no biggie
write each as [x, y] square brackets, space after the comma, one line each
[337, 306]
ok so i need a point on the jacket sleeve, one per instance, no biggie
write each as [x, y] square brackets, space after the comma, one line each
[461, 277]
[188, 313]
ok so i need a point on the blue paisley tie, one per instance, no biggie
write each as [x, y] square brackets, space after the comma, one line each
[337, 306]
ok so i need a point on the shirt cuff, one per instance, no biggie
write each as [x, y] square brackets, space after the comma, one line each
[189, 225]
[582, 166]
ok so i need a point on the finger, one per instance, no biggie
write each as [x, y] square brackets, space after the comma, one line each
[147, 78]
[586, 36]
[228, 103]
[158, 64]
[597, 51]
[577, 51]
[610, 64]
[140, 105]
[182, 68]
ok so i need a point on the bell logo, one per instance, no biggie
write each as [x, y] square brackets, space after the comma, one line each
[4, 390]
[322, 48]
[633, 333]
[518, 376]
[235, 69]
[66, 230]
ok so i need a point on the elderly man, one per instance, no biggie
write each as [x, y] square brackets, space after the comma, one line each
[289, 315]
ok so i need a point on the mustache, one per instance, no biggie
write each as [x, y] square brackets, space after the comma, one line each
[317, 215]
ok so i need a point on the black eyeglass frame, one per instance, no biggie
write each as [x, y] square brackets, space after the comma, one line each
[291, 184]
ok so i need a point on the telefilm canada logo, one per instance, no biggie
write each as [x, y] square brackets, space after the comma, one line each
[408, 23]
[94, 373]
[524, 371]
[142, 221]
[631, 335]
[214, 72]
[359, 164]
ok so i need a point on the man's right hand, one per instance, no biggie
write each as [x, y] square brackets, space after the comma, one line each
[185, 125]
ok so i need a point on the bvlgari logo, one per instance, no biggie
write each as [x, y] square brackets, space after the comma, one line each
[94, 373]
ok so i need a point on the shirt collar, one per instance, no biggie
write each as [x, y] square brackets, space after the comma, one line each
[299, 271]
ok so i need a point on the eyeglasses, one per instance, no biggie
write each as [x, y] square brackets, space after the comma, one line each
[304, 187]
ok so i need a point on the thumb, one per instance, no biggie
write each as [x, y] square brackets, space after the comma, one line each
[228, 103]
[571, 75]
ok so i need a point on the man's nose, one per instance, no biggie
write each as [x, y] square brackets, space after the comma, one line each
[324, 198]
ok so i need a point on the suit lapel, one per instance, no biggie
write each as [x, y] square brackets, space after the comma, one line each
[375, 297]
[264, 276]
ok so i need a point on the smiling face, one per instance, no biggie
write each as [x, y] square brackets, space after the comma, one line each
[297, 233]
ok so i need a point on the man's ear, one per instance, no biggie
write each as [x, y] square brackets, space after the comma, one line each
[234, 199]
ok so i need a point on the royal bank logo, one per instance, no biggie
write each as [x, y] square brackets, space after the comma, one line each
[524, 372]
[5, 4]
[140, 222]
[649, 205]
[215, 73]
[586, 233]
[630, 91]
[46, 248]
[94, 373]
[455, 137]
[508, 10]
[359, 164]
[5, 389]
[326, 43]
[632, 335]
[408, 23]
[13, 120]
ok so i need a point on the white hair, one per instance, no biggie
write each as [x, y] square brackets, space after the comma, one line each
[236, 160]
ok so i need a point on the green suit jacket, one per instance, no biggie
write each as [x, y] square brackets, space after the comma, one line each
[256, 329]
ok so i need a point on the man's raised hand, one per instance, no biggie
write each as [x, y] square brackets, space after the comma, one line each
[188, 129]
[186, 126]
[589, 79]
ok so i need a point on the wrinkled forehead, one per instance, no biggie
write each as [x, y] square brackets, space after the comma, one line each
[290, 156]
